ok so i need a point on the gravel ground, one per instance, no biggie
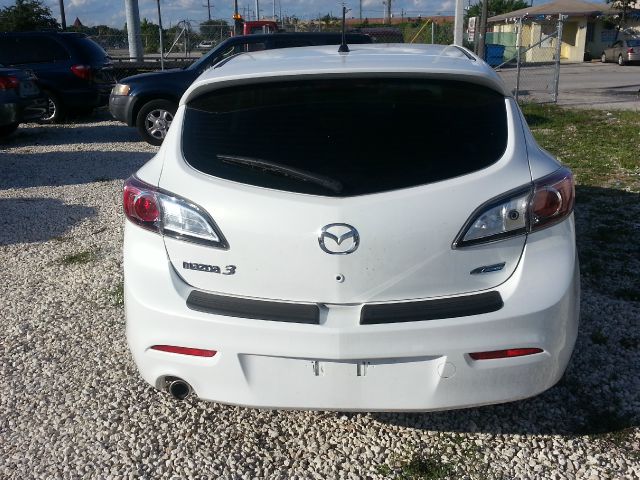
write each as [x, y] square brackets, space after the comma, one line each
[74, 406]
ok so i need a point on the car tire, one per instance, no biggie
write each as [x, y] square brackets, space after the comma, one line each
[603, 58]
[6, 130]
[154, 119]
[621, 61]
[55, 110]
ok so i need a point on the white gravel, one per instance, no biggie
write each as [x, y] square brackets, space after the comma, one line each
[73, 406]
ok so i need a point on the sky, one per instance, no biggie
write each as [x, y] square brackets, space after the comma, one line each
[111, 12]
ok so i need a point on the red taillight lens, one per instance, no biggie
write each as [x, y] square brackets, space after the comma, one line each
[9, 82]
[146, 207]
[194, 352]
[509, 353]
[163, 212]
[82, 71]
[553, 199]
[630, 50]
[141, 205]
[548, 201]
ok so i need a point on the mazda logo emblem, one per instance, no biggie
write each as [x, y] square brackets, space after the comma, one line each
[339, 239]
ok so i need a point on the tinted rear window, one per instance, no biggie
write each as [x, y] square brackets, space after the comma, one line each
[633, 43]
[24, 49]
[89, 50]
[354, 136]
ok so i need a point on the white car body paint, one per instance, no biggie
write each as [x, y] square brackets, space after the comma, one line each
[405, 254]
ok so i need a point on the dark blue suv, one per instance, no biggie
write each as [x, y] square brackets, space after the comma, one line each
[73, 71]
[149, 101]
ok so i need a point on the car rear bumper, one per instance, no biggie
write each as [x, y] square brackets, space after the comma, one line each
[24, 110]
[85, 98]
[121, 108]
[633, 57]
[8, 113]
[343, 365]
[33, 109]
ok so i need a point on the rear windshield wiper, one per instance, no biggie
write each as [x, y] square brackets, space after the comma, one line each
[267, 165]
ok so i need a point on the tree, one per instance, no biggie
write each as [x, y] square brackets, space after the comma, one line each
[624, 7]
[27, 15]
[215, 29]
[497, 7]
[150, 36]
[329, 20]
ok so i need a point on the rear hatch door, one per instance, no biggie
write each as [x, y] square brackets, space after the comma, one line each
[404, 161]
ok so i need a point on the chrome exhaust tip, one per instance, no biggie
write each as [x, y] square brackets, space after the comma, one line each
[178, 388]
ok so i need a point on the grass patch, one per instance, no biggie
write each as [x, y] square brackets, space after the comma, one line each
[599, 338]
[117, 295]
[418, 467]
[78, 258]
[602, 150]
[600, 147]
[630, 343]
[629, 294]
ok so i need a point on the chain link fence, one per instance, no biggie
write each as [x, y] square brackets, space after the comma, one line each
[187, 41]
[528, 57]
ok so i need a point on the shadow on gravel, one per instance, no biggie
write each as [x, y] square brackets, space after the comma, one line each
[68, 168]
[74, 132]
[28, 220]
[600, 391]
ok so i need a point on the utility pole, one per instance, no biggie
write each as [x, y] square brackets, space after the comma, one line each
[208, 5]
[458, 26]
[274, 10]
[63, 20]
[133, 30]
[160, 33]
[482, 31]
[389, 11]
[257, 9]
[360, 11]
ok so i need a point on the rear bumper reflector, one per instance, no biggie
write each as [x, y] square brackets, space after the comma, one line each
[255, 309]
[195, 352]
[509, 353]
[431, 309]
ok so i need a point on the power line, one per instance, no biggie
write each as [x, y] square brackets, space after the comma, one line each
[208, 5]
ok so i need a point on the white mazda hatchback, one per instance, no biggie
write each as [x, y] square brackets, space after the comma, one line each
[371, 230]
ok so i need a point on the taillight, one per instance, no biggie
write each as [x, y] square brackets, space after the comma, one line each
[82, 71]
[546, 202]
[194, 352]
[509, 353]
[167, 214]
[630, 50]
[9, 82]
[552, 200]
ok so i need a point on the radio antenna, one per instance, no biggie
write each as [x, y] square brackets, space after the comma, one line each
[344, 48]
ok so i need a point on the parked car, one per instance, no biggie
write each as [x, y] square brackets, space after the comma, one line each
[20, 99]
[623, 51]
[149, 101]
[205, 45]
[323, 230]
[73, 71]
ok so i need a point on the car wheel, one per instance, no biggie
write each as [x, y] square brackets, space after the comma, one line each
[603, 58]
[154, 119]
[6, 130]
[54, 112]
[621, 61]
